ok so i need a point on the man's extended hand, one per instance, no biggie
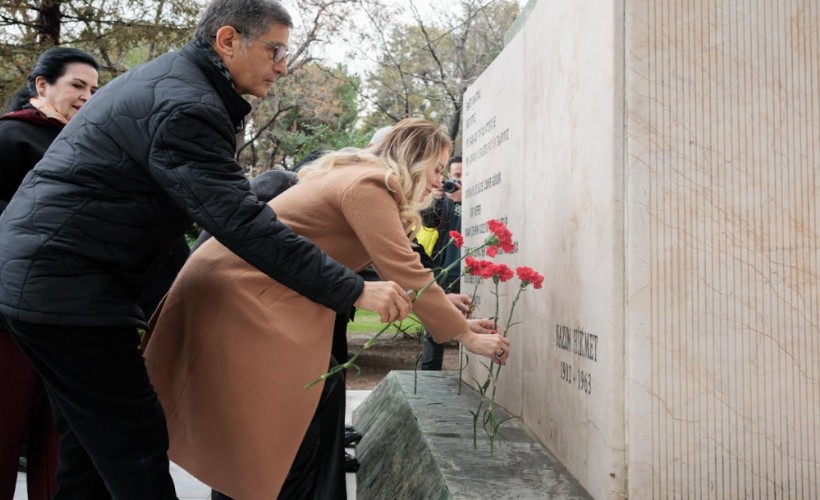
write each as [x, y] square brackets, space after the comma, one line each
[386, 298]
[482, 326]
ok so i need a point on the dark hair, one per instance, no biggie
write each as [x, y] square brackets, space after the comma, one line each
[454, 159]
[249, 17]
[268, 185]
[308, 158]
[51, 65]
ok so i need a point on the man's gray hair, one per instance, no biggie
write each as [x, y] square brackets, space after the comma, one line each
[249, 17]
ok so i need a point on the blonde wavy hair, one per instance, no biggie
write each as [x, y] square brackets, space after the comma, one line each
[411, 148]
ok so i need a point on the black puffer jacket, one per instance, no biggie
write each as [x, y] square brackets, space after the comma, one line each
[150, 152]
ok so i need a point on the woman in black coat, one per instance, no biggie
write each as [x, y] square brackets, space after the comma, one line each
[61, 82]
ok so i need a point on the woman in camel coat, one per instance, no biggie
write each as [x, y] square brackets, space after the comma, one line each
[232, 349]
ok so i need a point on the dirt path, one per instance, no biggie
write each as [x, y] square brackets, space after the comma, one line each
[398, 353]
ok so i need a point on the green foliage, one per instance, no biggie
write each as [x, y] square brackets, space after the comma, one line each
[192, 234]
[315, 108]
[311, 137]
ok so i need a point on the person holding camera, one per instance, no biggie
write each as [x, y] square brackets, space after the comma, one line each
[444, 216]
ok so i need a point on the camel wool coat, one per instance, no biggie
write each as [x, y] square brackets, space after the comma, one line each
[231, 349]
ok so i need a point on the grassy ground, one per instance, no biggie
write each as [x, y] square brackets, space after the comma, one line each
[368, 322]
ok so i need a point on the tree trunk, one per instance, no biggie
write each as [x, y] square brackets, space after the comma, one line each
[48, 23]
[455, 121]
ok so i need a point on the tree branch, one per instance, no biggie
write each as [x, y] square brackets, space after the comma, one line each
[262, 129]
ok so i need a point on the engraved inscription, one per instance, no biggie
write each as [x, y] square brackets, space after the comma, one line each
[492, 143]
[483, 185]
[566, 372]
[472, 100]
[579, 343]
[585, 344]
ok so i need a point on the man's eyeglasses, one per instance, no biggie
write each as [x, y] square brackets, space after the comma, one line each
[279, 51]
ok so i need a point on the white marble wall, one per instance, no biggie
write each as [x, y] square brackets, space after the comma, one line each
[659, 162]
[723, 248]
[555, 90]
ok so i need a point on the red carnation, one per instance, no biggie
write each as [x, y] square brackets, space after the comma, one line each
[503, 272]
[528, 275]
[486, 269]
[482, 268]
[469, 264]
[501, 237]
[458, 239]
[495, 225]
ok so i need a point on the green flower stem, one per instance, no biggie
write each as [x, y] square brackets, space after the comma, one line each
[370, 342]
[508, 325]
[475, 428]
[497, 300]
[350, 363]
[462, 363]
[482, 391]
[491, 426]
[488, 412]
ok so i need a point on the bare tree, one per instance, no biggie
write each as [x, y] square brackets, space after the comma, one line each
[116, 31]
[272, 121]
[125, 33]
[426, 62]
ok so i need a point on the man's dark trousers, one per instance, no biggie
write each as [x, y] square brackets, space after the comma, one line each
[113, 437]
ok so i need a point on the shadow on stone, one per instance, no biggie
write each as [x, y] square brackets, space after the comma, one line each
[420, 446]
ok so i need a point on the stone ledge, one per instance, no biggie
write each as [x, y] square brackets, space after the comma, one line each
[420, 446]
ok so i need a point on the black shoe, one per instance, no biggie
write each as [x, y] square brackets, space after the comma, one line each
[351, 463]
[21, 464]
[352, 436]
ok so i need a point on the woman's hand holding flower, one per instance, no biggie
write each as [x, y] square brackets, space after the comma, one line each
[490, 345]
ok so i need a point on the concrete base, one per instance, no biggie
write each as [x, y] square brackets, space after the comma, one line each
[421, 446]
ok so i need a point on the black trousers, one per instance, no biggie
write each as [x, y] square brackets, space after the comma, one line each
[318, 470]
[338, 349]
[432, 353]
[113, 437]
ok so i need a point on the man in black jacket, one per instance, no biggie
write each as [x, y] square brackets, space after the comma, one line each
[151, 152]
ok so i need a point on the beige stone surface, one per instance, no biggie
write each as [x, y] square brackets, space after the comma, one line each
[723, 248]
[555, 88]
[661, 170]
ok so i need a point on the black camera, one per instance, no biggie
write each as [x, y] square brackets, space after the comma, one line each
[450, 186]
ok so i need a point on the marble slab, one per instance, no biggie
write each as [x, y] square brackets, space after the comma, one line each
[418, 443]
[659, 163]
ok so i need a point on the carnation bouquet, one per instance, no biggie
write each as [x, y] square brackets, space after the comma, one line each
[498, 241]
